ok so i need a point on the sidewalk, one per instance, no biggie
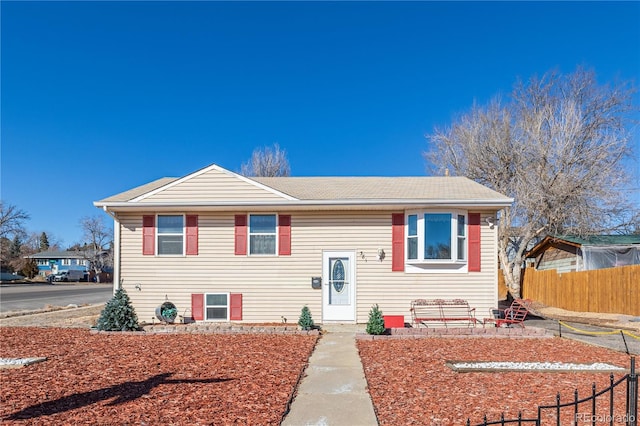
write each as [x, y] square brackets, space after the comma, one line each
[334, 390]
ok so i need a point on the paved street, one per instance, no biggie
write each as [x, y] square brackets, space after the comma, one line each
[21, 297]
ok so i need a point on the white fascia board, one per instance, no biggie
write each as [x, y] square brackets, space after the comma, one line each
[205, 170]
[302, 204]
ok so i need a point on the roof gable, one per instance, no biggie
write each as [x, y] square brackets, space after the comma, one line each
[576, 241]
[210, 184]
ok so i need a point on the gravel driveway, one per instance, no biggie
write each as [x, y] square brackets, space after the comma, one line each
[80, 317]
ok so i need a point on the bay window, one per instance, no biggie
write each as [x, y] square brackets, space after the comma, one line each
[436, 237]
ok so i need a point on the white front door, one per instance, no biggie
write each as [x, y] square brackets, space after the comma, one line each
[338, 286]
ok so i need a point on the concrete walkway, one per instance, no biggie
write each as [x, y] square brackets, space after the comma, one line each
[334, 390]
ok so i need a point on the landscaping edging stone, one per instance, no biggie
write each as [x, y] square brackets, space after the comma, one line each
[494, 332]
[216, 329]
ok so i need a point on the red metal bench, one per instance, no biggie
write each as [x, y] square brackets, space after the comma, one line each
[442, 311]
[514, 314]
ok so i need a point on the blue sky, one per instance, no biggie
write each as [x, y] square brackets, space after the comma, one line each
[100, 97]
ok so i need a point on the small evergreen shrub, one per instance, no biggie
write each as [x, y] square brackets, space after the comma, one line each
[375, 325]
[305, 321]
[118, 314]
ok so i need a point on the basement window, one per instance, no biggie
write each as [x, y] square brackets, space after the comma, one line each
[216, 307]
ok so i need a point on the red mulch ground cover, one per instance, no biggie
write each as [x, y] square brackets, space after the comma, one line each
[180, 379]
[220, 379]
[410, 384]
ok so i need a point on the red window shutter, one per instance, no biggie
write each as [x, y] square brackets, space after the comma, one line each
[235, 306]
[474, 242]
[148, 235]
[192, 235]
[241, 234]
[197, 306]
[284, 235]
[397, 242]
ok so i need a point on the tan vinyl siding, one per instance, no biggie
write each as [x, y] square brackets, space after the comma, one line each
[212, 185]
[279, 286]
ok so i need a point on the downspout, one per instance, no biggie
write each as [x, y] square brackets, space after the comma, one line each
[116, 249]
[579, 259]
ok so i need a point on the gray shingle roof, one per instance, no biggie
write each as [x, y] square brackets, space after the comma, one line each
[52, 254]
[327, 191]
[382, 188]
[139, 190]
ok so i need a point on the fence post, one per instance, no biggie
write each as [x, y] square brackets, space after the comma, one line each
[625, 342]
[611, 412]
[575, 406]
[593, 403]
[632, 395]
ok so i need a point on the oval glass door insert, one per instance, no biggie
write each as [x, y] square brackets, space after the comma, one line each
[337, 276]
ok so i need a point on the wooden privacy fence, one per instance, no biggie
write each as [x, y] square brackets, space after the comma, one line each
[612, 290]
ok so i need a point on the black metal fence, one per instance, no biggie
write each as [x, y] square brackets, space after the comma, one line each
[551, 414]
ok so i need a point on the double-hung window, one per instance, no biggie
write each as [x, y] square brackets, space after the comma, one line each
[412, 236]
[436, 237]
[462, 237]
[170, 234]
[216, 307]
[262, 234]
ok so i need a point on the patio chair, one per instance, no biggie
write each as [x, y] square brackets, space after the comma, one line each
[514, 314]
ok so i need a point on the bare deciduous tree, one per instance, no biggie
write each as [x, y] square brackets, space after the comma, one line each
[267, 162]
[11, 220]
[17, 256]
[97, 239]
[557, 146]
[11, 230]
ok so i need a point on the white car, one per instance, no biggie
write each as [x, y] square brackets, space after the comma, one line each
[70, 275]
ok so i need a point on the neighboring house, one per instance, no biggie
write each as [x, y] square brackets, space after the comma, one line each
[52, 262]
[569, 253]
[224, 247]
